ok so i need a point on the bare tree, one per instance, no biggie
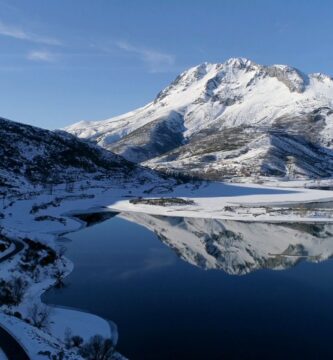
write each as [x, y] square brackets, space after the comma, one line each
[59, 276]
[98, 348]
[39, 315]
[72, 341]
[12, 291]
[18, 287]
[77, 341]
[68, 337]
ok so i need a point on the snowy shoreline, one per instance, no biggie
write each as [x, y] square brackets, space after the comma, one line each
[36, 341]
[54, 216]
[248, 205]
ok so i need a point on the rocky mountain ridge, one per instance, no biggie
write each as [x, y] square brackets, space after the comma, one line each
[227, 121]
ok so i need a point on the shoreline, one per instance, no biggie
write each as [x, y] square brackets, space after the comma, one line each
[209, 201]
[104, 327]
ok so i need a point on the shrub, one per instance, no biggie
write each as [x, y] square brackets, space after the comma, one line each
[72, 341]
[18, 314]
[37, 254]
[162, 201]
[39, 315]
[98, 348]
[12, 291]
[59, 277]
[77, 341]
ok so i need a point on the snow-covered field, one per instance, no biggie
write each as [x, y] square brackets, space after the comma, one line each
[214, 200]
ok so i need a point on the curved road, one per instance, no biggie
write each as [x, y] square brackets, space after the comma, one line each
[8, 344]
[11, 347]
[18, 247]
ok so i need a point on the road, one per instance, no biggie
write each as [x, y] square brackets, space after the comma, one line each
[11, 347]
[8, 344]
[18, 247]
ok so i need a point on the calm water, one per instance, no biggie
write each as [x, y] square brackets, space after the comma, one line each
[266, 298]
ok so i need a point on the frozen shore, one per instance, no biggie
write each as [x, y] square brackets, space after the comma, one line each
[43, 217]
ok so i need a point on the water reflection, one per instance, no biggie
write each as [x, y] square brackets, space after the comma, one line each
[166, 308]
[240, 247]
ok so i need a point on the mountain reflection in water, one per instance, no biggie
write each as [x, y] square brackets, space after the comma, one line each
[240, 247]
[171, 300]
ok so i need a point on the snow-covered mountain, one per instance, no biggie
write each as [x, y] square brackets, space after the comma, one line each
[33, 156]
[240, 247]
[227, 120]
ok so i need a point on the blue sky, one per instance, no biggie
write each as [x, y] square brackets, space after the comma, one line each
[69, 60]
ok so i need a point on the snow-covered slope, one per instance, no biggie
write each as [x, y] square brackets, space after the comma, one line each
[240, 247]
[220, 120]
[32, 156]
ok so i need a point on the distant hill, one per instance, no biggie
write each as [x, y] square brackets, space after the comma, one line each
[32, 156]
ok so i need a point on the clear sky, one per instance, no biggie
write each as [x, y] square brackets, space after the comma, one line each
[69, 60]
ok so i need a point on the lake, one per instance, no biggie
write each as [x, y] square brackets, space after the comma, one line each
[181, 288]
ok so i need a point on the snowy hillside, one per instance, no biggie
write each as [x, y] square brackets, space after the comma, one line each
[35, 157]
[235, 119]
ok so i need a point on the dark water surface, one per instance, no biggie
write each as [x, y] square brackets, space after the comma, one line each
[167, 308]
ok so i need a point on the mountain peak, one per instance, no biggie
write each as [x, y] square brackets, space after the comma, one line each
[204, 114]
[239, 62]
[206, 70]
[221, 78]
[294, 79]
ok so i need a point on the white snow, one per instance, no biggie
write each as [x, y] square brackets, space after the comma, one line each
[82, 323]
[32, 339]
[210, 201]
[199, 95]
[3, 355]
[7, 251]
